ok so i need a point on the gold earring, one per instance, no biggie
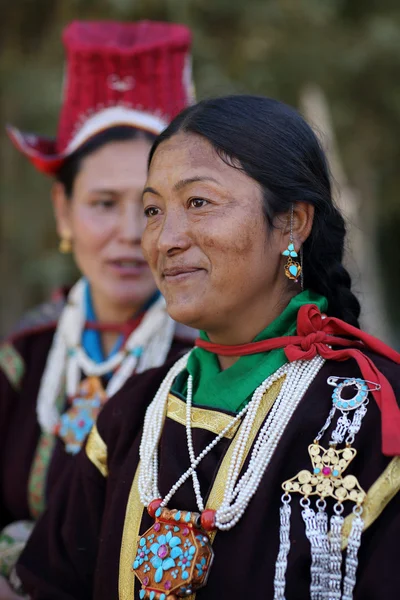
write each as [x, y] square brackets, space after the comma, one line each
[65, 245]
[293, 268]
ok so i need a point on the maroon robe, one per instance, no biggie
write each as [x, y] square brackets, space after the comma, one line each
[19, 429]
[75, 550]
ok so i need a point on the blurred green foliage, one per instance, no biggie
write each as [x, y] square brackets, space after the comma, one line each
[351, 48]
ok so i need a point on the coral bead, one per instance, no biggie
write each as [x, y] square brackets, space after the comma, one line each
[207, 520]
[153, 506]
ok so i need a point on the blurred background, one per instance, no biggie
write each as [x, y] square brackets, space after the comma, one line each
[338, 61]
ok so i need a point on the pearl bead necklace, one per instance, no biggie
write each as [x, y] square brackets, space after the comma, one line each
[238, 494]
[145, 348]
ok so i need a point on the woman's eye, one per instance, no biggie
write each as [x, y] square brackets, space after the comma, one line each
[105, 203]
[197, 202]
[151, 211]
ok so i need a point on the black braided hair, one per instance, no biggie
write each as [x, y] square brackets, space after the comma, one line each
[275, 146]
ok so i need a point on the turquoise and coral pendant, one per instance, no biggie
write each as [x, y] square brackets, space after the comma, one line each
[76, 423]
[173, 557]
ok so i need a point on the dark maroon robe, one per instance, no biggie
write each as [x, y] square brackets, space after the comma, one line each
[74, 552]
[19, 429]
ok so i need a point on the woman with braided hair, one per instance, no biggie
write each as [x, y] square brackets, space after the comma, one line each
[264, 463]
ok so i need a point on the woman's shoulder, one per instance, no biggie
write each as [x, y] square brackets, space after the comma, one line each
[351, 368]
[29, 340]
[37, 320]
[387, 366]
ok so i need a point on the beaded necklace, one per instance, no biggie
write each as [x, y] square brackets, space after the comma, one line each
[174, 556]
[146, 347]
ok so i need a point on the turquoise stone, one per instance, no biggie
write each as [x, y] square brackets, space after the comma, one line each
[335, 472]
[177, 516]
[158, 512]
[316, 471]
[142, 542]
[142, 593]
[185, 575]
[293, 270]
[352, 403]
[152, 594]
[137, 351]
[162, 597]
[176, 529]
[136, 564]
[187, 518]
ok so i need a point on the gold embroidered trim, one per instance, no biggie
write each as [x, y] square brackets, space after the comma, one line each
[134, 508]
[378, 497]
[96, 451]
[130, 534]
[38, 474]
[202, 418]
[12, 364]
[40, 466]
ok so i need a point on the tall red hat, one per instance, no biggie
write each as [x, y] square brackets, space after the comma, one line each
[135, 74]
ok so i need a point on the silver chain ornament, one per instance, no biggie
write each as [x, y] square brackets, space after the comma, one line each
[326, 480]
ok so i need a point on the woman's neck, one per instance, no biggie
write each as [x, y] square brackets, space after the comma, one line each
[244, 330]
[108, 312]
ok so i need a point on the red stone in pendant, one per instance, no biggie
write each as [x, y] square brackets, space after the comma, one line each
[153, 506]
[162, 551]
[207, 520]
[326, 471]
[168, 585]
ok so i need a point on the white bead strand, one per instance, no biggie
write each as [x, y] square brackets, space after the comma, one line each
[147, 347]
[238, 494]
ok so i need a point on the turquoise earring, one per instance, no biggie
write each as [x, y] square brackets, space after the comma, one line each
[292, 267]
[290, 251]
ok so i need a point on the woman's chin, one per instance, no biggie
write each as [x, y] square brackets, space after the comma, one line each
[187, 314]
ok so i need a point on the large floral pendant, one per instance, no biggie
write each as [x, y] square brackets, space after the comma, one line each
[76, 423]
[173, 557]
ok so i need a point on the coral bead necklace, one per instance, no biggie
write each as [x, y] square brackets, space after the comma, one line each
[174, 556]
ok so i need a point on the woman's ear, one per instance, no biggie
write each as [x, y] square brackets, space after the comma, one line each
[298, 223]
[62, 210]
[303, 218]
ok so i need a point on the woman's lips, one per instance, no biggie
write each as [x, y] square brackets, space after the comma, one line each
[180, 274]
[127, 267]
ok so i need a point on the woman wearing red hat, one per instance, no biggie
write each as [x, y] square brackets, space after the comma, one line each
[124, 83]
[266, 462]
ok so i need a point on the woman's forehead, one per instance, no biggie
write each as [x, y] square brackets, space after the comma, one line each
[187, 148]
[187, 156]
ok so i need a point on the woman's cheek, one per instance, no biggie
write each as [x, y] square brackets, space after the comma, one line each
[149, 245]
[94, 233]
